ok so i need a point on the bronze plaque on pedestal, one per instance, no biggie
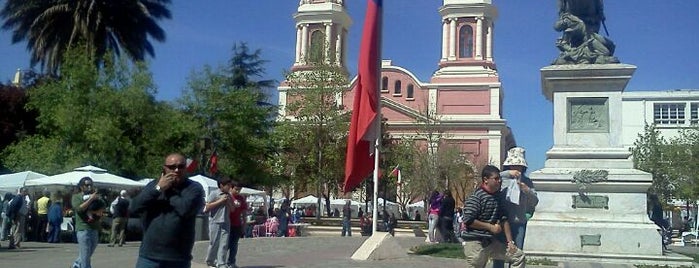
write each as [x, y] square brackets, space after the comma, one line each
[591, 201]
[589, 115]
[590, 240]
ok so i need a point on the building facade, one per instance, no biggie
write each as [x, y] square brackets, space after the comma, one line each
[464, 96]
[671, 111]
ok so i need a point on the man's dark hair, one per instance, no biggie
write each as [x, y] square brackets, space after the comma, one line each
[224, 181]
[489, 170]
[82, 181]
[235, 183]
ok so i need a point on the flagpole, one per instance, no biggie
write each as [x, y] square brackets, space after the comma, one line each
[375, 200]
[379, 119]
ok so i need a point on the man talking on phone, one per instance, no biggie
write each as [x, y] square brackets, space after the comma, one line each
[168, 207]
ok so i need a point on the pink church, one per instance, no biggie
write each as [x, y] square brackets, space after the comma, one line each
[465, 94]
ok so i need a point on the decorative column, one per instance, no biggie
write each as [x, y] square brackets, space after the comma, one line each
[445, 39]
[453, 38]
[304, 43]
[489, 42]
[298, 45]
[328, 41]
[479, 38]
[338, 49]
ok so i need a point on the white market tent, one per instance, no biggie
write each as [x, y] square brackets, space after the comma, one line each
[99, 176]
[420, 205]
[210, 184]
[207, 183]
[14, 181]
[309, 200]
[340, 203]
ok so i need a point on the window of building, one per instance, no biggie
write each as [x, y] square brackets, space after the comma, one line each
[669, 113]
[384, 84]
[694, 114]
[466, 42]
[409, 93]
[317, 49]
[397, 88]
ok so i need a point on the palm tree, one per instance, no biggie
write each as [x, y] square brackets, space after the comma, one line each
[50, 27]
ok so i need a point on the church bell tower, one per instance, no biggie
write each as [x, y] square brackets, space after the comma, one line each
[467, 39]
[321, 33]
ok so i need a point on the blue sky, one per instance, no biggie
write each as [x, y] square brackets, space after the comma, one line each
[657, 36]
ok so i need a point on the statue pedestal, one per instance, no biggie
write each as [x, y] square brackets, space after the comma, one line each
[607, 220]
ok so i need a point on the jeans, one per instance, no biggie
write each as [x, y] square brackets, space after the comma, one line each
[236, 232]
[432, 224]
[6, 224]
[518, 230]
[218, 244]
[87, 242]
[150, 263]
[54, 233]
[346, 227]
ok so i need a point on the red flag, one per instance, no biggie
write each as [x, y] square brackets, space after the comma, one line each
[213, 163]
[363, 126]
[192, 165]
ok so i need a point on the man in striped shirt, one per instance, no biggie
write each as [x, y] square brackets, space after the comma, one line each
[484, 216]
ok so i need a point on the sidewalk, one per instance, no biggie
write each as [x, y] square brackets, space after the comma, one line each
[254, 253]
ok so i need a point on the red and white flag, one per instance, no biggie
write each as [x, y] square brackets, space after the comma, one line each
[192, 165]
[365, 109]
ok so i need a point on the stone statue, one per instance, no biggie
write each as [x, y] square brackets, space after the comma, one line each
[581, 43]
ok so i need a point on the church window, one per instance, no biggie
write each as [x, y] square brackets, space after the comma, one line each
[384, 84]
[466, 42]
[409, 91]
[397, 88]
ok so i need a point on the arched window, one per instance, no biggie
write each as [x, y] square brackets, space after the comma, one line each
[409, 94]
[317, 49]
[396, 89]
[384, 84]
[466, 42]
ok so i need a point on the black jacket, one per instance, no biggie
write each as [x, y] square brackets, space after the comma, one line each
[168, 220]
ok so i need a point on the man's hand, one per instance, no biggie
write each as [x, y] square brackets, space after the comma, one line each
[495, 228]
[511, 247]
[166, 181]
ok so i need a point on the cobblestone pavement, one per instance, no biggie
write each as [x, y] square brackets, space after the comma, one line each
[254, 253]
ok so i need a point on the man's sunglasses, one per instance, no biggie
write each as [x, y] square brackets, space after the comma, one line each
[173, 167]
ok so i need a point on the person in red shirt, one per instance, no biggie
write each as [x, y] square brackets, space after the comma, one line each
[237, 216]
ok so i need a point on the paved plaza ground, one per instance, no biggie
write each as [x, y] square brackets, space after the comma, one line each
[254, 253]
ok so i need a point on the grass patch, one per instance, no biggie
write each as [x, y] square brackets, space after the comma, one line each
[660, 266]
[444, 250]
[544, 261]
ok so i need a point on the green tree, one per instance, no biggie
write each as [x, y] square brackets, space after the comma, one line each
[106, 117]
[230, 111]
[245, 65]
[651, 154]
[51, 27]
[313, 102]
[684, 161]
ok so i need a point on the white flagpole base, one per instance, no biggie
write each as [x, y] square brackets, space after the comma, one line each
[379, 246]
